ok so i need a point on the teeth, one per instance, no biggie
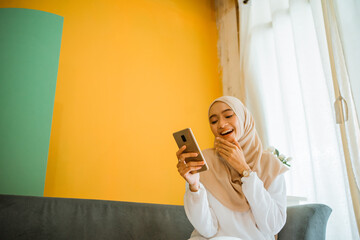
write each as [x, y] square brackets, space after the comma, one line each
[226, 132]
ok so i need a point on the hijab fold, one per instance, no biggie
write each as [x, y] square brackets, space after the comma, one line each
[222, 180]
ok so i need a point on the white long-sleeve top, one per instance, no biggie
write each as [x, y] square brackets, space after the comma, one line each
[264, 219]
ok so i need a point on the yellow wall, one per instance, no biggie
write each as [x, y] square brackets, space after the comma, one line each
[130, 74]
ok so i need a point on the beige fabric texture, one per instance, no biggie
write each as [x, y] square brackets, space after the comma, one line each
[222, 180]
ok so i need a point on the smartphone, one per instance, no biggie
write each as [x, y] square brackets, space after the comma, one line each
[186, 137]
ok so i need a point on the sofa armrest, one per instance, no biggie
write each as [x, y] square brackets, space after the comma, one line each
[305, 222]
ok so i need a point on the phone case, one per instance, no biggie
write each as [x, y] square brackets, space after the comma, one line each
[186, 137]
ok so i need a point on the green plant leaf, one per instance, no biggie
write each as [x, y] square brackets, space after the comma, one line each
[277, 152]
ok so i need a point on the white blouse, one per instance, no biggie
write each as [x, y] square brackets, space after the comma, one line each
[264, 219]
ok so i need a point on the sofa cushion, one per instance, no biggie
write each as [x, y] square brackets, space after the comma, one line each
[24, 217]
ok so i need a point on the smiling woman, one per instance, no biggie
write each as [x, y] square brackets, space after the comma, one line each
[243, 194]
[223, 122]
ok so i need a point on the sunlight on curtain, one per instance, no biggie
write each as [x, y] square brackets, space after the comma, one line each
[348, 19]
[342, 92]
[347, 73]
[291, 100]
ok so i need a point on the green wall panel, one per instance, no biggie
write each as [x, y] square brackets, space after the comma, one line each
[29, 57]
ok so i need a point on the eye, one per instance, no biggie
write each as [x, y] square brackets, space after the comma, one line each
[213, 122]
[230, 116]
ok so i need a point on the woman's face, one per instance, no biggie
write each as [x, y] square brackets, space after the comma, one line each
[223, 122]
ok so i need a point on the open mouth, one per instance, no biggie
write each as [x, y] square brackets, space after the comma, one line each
[227, 132]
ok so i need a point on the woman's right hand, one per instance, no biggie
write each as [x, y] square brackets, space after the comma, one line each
[189, 170]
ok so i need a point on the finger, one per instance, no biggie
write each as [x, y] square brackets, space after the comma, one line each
[196, 171]
[234, 143]
[179, 164]
[189, 170]
[225, 147]
[180, 151]
[182, 164]
[230, 146]
[237, 144]
[224, 152]
[183, 156]
[225, 142]
[195, 163]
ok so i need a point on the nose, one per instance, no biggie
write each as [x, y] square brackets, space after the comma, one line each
[222, 123]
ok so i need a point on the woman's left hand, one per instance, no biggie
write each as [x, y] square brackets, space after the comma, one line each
[232, 153]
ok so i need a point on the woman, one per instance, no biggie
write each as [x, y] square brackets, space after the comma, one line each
[243, 194]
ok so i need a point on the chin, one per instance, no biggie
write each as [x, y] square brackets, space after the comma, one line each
[229, 138]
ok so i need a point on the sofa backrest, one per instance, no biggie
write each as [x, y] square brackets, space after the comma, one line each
[24, 217]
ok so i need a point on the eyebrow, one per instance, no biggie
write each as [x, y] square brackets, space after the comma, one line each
[221, 112]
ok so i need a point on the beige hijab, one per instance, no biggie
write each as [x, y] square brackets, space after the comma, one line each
[223, 181]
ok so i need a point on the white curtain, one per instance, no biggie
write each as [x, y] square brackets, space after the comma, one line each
[346, 120]
[348, 20]
[290, 95]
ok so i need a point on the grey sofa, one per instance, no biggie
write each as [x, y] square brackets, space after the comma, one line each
[25, 217]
